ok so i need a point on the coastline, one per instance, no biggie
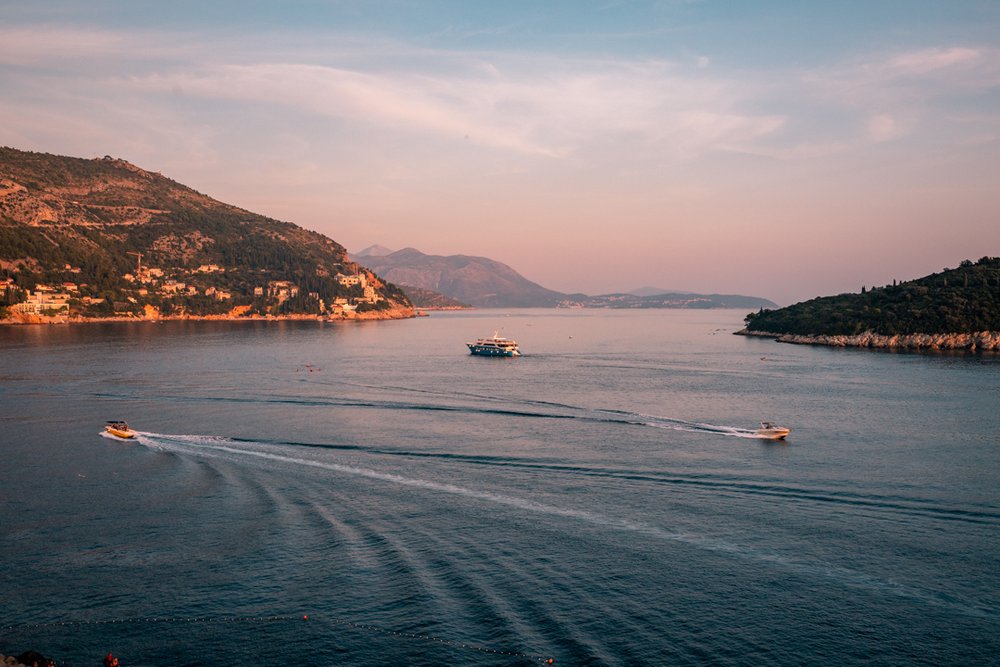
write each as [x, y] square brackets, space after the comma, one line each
[971, 342]
[369, 316]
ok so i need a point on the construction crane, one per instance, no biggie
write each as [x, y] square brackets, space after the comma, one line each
[138, 268]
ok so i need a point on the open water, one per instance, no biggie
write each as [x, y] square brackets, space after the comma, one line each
[597, 501]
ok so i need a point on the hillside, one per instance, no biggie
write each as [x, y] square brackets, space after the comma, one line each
[478, 281]
[114, 239]
[963, 300]
[425, 298]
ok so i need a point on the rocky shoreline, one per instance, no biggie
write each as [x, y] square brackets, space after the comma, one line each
[372, 315]
[970, 342]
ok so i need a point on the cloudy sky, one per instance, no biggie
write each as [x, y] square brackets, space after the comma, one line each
[780, 149]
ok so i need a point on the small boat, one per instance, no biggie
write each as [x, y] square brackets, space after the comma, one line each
[495, 346]
[119, 428]
[769, 431]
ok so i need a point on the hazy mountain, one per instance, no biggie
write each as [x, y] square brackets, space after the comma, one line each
[673, 300]
[484, 282]
[478, 281]
[425, 298]
[372, 251]
[653, 291]
[85, 222]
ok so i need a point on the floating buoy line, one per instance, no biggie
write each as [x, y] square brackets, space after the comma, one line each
[276, 619]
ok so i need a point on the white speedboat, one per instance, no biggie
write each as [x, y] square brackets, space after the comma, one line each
[119, 429]
[494, 346]
[769, 431]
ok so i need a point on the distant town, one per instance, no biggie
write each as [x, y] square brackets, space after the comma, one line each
[154, 287]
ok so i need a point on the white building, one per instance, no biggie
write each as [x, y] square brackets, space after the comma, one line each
[41, 300]
[348, 281]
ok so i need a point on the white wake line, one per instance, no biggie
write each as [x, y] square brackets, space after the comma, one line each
[730, 431]
[844, 576]
[674, 424]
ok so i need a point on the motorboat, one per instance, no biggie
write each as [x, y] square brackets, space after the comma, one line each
[120, 429]
[769, 431]
[495, 346]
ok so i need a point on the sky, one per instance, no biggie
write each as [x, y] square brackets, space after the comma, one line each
[778, 149]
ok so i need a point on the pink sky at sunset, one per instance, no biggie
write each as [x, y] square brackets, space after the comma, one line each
[682, 145]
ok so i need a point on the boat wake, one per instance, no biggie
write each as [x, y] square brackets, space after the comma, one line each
[526, 409]
[246, 451]
[556, 410]
[673, 424]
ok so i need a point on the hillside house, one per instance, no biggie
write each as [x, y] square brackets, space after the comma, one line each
[172, 287]
[282, 290]
[348, 281]
[220, 295]
[371, 296]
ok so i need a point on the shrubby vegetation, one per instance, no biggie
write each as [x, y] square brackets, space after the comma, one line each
[116, 210]
[961, 300]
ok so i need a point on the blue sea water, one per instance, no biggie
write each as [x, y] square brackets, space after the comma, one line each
[597, 501]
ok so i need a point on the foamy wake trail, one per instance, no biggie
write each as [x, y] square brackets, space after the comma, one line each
[673, 424]
[221, 447]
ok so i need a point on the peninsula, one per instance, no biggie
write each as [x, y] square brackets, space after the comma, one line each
[102, 239]
[435, 281]
[957, 309]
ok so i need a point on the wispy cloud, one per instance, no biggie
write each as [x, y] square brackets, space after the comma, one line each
[554, 112]
[538, 105]
[899, 94]
[928, 61]
[883, 127]
[543, 105]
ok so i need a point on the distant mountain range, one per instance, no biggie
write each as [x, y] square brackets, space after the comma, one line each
[670, 300]
[99, 238]
[485, 283]
[477, 281]
[373, 251]
[653, 291]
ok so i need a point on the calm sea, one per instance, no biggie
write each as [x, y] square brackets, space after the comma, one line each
[597, 501]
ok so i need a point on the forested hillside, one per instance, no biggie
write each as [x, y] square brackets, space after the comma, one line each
[961, 300]
[113, 233]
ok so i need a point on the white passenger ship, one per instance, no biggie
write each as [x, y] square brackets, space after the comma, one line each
[495, 346]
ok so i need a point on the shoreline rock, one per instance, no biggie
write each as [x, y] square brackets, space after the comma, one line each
[971, 342]
[372, 315]
[26, 659]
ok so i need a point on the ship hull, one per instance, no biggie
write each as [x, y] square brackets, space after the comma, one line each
[483, 351]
